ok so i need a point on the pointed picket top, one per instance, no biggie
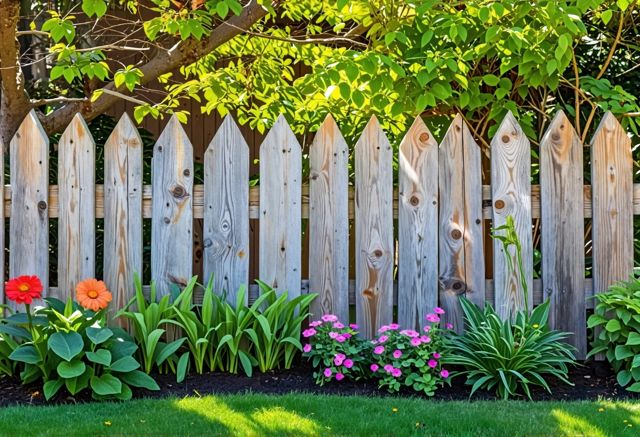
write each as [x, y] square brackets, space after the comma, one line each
[77, 129]
[455, 128]
[173, 135]
[511, 196]
[280, 134]
[371, 130]
[417, 137]
[126, 131]
[610, 132]
[31, 128]
[560, 131]
[329, 134]
[228, 130]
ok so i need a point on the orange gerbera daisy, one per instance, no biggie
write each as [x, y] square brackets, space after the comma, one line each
[93, 294]
[23, 289]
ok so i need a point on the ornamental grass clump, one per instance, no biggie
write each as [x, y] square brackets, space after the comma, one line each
[336, 350]
[408, 358]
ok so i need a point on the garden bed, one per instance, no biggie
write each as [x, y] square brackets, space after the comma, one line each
[593, 381]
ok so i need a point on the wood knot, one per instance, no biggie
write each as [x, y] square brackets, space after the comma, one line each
[499, 204]
[414, 200]
[458, 287]
[424, 137]
[505, 138]
[241, 254]
[167, 220]
[368, 293]
[207, 243]
[555, 136]
[456, 234]
[42, 205]
[377, 253]
[186, 172]
[178, 191]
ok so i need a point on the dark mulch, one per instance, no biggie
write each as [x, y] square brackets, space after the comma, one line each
[593, 380]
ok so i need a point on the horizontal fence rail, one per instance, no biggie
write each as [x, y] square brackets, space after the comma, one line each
[435, 254]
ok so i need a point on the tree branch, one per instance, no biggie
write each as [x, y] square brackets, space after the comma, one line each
[182, 53]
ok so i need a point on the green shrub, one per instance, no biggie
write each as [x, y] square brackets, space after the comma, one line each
[618, 315]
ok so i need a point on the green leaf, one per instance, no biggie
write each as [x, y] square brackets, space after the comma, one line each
[491, 79]
[623, 352]
[66, 344]
[612, 325]
[136, 378]
[623, 377]
[99, 335]
[26, 354]
[124, 364]
[606, 17]
[633, 339]
[52, 387]
[101, 356]
[183, 365]
[72, 369]
[106, 385]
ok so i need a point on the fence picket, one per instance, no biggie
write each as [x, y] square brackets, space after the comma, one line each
[29, 225]
[76, 200]
[226, 212]
[172, 221]
[612, 191]
[374, 229]
[511, 195]
[418, 225]
[461, 245]
[280, 209]
[122, 210]
[563, 229]
[329, 222]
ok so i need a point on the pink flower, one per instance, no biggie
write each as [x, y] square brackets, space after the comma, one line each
[383, 328]
[333, 334]
[329, 318]
[383, 338]
[346, 335]
[416, 342]
[449, 325]
[388, 368]
[309, 332]
[433, 318]
[307, 348]
[316, 323]
[425, 339]
[438, 310]
[339, 376]
[432, 363]
[397, 353]
[436, 355]
[341, 339]
[394, 326]
[396, 373]
[378, 350]
[409, 333]
[327, 373]
[444, 373]
[374, 367]
[348, 363]
[338, 325]
[338, 359]
[427, 328]
[354, 326]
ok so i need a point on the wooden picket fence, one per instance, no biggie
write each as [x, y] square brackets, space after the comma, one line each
[440, 204]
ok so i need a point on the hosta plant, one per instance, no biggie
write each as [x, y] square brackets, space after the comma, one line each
[408, 358]
[617, 315]
[335, 350]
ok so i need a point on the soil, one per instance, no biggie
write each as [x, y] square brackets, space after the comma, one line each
[593, 381]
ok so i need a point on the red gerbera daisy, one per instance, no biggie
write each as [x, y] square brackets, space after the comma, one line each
[23, 289]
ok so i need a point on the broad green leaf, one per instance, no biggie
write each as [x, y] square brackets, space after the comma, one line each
[99, 335]
[26, 354]
[71, 369]
[101, 356]
[106, 385]
[124, 364]
[66, 344]
[137, 378]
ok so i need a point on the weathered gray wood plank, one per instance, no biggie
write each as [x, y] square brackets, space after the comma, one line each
[29, 224]
[418, 226]
[77, 205]
[226, 211]
[461, 247]
[172, 221]
[329, 222]
[374, 229]
[511, 196]
[563, 229]
[122, 210]
[280, 209]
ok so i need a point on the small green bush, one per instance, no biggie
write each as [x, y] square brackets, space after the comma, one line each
[618, 315]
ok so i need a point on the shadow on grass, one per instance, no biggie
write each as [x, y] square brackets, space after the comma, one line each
[602, 418]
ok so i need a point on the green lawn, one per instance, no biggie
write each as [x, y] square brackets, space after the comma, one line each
[299, 414]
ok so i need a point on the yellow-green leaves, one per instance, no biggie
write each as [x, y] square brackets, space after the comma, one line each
[94, 7]
[128, 76]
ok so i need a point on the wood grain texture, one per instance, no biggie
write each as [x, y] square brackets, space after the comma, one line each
[461, 246]
[172, 221]
[76, 197]
[29, 224]
[418, 226]
[511, 196]
[563, 229]
[329, 222]
[612, 193]
[374, 229]
[226, 213]
[280, 210]
[122, 210]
